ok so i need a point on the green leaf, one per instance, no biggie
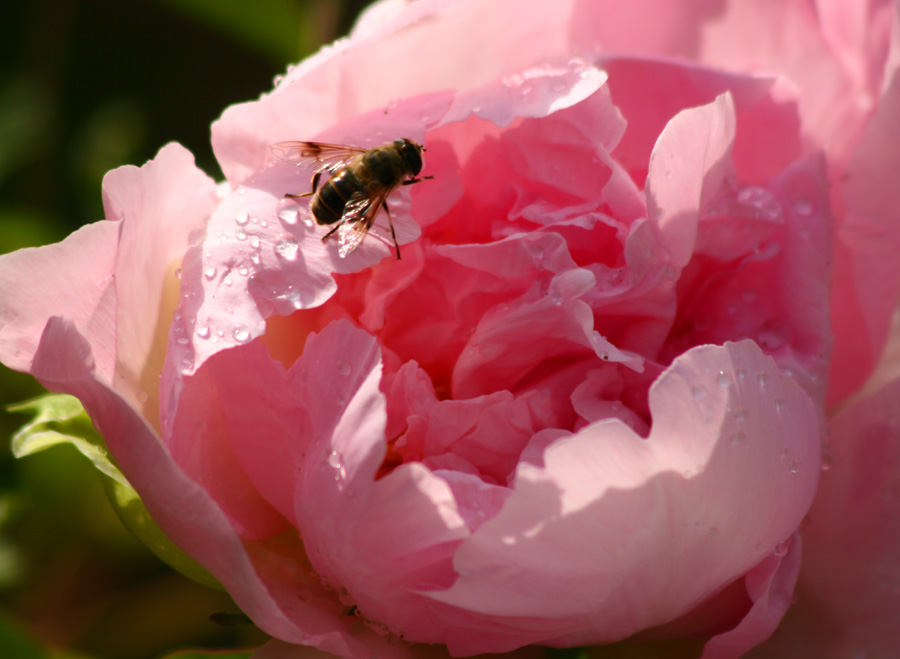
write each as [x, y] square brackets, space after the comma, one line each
[60, 419]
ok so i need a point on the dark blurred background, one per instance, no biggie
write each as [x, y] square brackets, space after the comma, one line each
[86, 86]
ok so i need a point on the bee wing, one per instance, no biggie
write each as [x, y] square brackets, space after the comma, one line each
[359, 216]
[329, 156]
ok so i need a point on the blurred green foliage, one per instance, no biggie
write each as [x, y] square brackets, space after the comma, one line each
[87, 86]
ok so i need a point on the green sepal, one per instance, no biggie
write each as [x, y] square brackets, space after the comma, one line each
[60, 419]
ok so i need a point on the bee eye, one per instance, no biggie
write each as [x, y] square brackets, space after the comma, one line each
[411, 155]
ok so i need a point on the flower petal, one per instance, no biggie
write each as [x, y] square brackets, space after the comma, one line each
[705, 497]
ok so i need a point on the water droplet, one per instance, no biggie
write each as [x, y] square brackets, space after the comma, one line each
[203, 332]
[795, 466]
[336, 462]
[287, 247]
[781, 549]
[287, 211]
[182, 340]
[241, 218]
[254, 242]
[762, 379]
[178, 273]
[802, 206]
[341, 401]
[699, 392]
[241, 235]
[243, 271]
[771, 336]
[227, 280]
[254, 258]
[827, 462]
[723, 380]
[556, 298]
[779, 404]
[240, 333]
[210, 272]
[262, 223]
[343, 367]
[738, 437]
[740, 415]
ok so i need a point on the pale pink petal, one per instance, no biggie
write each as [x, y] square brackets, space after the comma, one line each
[689, 163]
[765, 107]
[866, 270]
[160, 204]
[184, 510]
[850, 577]
[336, 84]
[72, 279]
[707, 499]
[834, 84]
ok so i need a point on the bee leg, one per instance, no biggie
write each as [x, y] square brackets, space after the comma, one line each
[391, 224]
[416, 180]
[328, 235]
[315, 182]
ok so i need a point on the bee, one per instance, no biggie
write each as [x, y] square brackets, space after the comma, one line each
[359, 183]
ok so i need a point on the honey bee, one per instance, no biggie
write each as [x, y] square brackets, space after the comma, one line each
[359, 183]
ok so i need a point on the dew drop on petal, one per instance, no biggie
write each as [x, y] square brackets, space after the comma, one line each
[795, 466]
[240, 333]
[203, 332]
[802, 206]
[287, 211]
[241, 235]
[738, 437]
[343, 367]
[241, 218]
[723, 380]
[699, 392]
[781, 549]
[287, 247]
[254, 242]
[210, 272]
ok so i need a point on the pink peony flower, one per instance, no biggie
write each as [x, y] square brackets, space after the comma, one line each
[656, 258]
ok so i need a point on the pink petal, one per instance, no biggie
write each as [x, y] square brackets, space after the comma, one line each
[711, 499]
[688, 163]
[322, 84]
[183, 509]
[160, 205]
[866, 271]
[769, 585]
[765, 108]
[850, 578]
[72, 279]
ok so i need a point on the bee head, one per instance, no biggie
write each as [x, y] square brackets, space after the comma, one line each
[411, 153]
